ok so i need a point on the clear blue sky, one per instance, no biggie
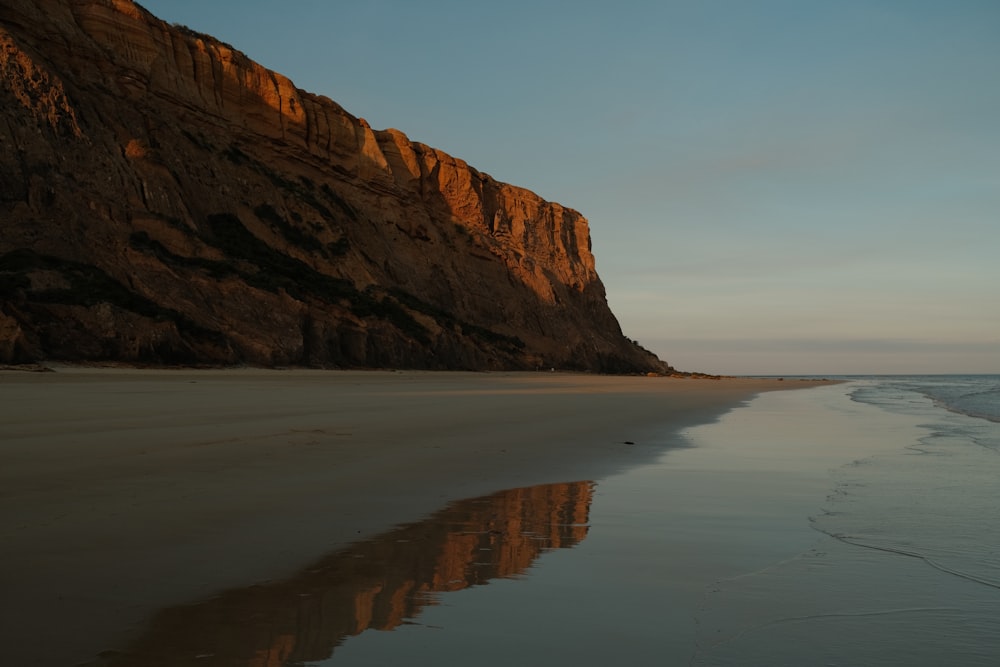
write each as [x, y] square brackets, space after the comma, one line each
[773, 186]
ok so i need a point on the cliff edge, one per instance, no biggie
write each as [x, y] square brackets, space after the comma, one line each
[164, 199]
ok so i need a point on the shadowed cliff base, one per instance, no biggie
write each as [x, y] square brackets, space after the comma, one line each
[166, 200]
[377, 584]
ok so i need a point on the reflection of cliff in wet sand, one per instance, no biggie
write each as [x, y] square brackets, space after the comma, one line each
[375, 584]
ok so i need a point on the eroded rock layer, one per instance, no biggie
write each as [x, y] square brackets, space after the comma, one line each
[164, 199]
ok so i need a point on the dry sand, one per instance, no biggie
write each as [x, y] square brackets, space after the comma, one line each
[123, 491]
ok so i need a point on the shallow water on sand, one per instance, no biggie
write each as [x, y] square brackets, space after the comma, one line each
[909, 569]
[378, 584]
[719, 553]
[806, 528]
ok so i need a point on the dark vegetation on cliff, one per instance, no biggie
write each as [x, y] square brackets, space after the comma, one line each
[166, 200]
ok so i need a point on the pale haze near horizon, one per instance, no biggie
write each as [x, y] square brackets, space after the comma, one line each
[773, 187]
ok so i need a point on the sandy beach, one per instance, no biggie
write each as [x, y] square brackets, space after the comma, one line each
[125, 491]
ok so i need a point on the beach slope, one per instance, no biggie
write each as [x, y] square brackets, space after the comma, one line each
[124, 491]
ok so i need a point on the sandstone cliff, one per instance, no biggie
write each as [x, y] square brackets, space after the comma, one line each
[164, 199]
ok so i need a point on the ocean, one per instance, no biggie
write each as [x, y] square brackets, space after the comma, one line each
[849, 524]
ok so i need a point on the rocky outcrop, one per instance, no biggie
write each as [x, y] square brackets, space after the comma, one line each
[164, 199]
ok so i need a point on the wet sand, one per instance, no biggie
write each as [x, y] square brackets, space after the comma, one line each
[710, 556]
[126, 491]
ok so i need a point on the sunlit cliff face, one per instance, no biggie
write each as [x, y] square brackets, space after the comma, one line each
[194, 69]
[195, 207]
[376, 584]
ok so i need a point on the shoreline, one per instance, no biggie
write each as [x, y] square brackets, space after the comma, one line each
[127, 490]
